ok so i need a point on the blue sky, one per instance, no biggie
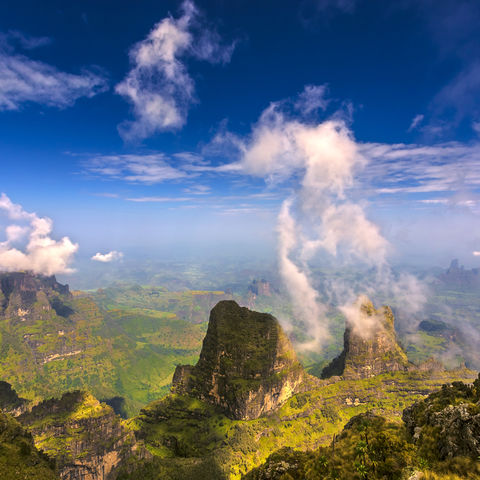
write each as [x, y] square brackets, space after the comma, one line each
[146, 125]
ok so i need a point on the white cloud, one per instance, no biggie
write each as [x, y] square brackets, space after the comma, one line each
[476, 253]
[476, 127]
[319, 161]
[198, 190]
[159, 86]
[23, 80]
[313, 98]
[158, 199]
[148, 169]
[107, 257]
[417, 120]
[412, 168]
[42, 254]
[28, 42]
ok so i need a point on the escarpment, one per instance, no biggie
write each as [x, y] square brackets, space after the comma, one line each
[247, 365]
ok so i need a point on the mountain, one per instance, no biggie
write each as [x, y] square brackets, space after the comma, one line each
[247, 365]
[246, 398]
[209, 427]
[370, 345]
[121, 343]
[456, 276]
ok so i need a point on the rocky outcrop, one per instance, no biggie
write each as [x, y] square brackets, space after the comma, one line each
[447, 422]
[370, 344]
[247, 365]
[85, 437]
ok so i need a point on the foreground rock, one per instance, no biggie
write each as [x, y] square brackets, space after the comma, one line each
[447, 423]
[370, 345]
[247, 365]
[85, 437]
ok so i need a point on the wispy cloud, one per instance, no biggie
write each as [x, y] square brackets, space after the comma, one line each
[28, 42]
[158, 199]
[147, 169]
[460, 95]
[412, 168]
[24, 80]
[159, 86]
[313, 12]
[453, 26]
[313, 98]
[417, 120]
[198, 190]
[107, 195]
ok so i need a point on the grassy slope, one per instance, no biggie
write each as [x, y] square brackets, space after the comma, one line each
[128, 347]
[198, 436]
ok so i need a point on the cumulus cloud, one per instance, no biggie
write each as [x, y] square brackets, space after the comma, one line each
[320, 161]
[24, 80]
[41, 254]
[159, 86]
[107, 257]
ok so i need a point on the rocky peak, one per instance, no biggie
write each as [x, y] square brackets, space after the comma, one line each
[457, 276]
[247, 365]
[26, 286]
[370, 344]
[19, 291]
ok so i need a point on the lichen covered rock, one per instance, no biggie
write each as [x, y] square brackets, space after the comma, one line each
[247, 365]
[447, 423]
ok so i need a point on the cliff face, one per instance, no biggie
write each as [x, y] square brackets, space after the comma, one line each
[247, 365]
[86, 438]
[370, 345]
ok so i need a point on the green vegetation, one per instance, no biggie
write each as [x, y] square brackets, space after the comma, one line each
[19, 459]
[195, 433]
[127, 348]
[370, 447]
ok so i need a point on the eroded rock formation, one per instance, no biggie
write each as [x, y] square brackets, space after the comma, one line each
[370, 345]
[247, 365]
